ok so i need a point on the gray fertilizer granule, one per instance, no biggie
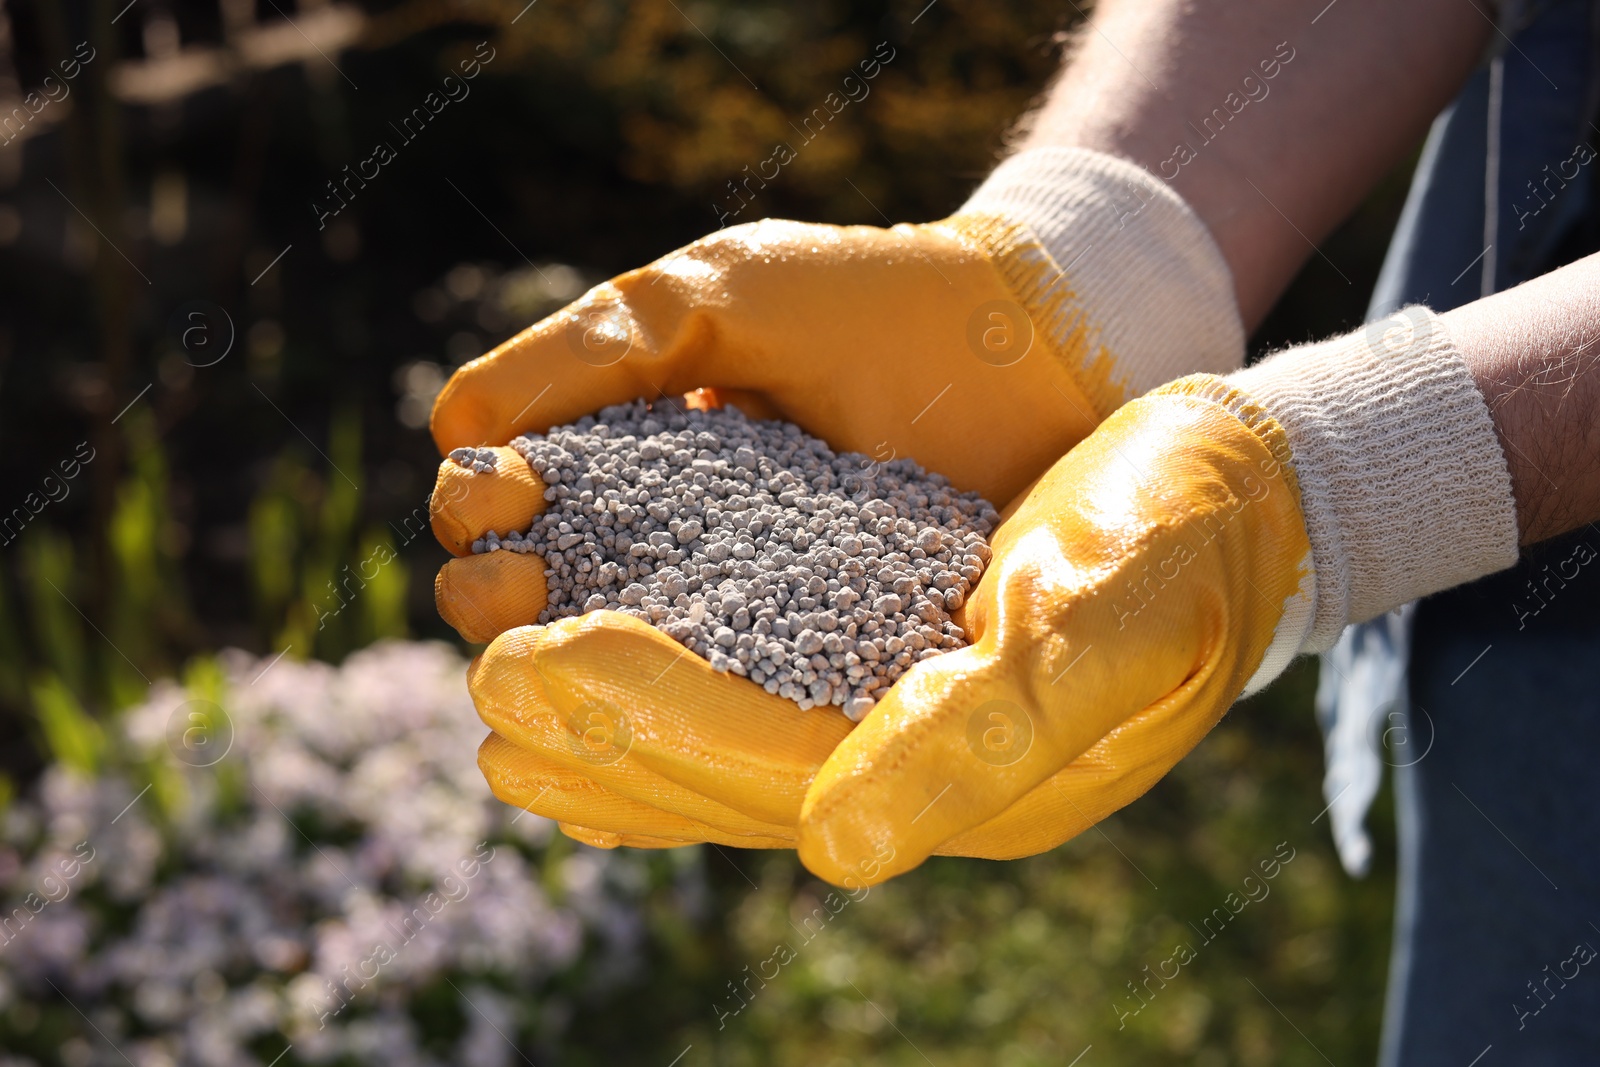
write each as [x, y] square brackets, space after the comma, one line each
[820, 576]
[477, 460]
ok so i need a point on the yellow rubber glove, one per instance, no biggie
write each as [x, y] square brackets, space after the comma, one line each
[1184, 553]
[1135, 590]
[961, 344]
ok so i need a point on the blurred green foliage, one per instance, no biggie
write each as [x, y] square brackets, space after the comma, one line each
[323, 585]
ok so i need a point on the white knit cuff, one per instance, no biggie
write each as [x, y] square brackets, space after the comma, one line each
[1144, 266]
[1403, 484]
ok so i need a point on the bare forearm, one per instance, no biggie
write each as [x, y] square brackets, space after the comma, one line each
[1535, 353]
[1271, 164]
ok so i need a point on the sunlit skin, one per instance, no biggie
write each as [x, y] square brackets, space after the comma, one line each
[1347, 110]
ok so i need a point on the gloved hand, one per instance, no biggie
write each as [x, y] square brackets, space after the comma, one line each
[983, 346]
[1182, 554]
[1134, 591]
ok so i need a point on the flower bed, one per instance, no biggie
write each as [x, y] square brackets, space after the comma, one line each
[306, 862]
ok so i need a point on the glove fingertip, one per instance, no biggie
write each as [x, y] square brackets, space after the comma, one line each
[851, 852]
[485, 595]
[586, 836]
[492, 490]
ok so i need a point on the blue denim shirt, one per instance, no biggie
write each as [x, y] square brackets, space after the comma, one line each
[1510, 139]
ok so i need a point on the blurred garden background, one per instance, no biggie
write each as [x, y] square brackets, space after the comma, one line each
[236, 747]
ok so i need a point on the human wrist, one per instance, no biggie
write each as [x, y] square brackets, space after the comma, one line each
[1125, 244]
[1531, 351]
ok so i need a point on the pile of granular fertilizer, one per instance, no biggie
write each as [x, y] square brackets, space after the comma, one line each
[820, 576]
